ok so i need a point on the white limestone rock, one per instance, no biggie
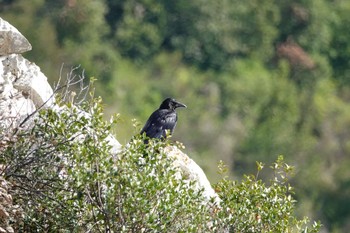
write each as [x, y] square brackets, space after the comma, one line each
[28, 79]
[23, 89]
[11, 40]
[190, 171]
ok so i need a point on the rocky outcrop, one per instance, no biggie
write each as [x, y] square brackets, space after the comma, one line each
[23, 87]
[23, 90]
[190, 171]
[11, 40]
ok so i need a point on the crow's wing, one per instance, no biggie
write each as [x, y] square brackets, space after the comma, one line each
[160, 121]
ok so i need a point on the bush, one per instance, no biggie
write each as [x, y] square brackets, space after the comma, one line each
[253, 206]
[66, 179]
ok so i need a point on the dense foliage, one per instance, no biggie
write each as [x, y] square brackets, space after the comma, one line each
[260, 78]
[66, 179]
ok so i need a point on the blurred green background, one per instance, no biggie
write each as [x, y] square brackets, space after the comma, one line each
[260, 78]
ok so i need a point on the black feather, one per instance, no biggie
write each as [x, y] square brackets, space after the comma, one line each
[163, 119]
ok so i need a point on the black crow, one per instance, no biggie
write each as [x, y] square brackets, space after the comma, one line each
[162, 119]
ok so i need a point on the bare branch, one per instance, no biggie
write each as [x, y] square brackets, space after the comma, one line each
[73, 83]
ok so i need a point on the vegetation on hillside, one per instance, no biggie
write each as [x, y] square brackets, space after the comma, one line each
[260, 78]
[65, 179]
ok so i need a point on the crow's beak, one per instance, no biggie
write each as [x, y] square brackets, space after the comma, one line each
[179, 105]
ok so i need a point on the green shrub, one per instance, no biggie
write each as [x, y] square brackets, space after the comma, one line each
[67, 180]
[253, 206]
